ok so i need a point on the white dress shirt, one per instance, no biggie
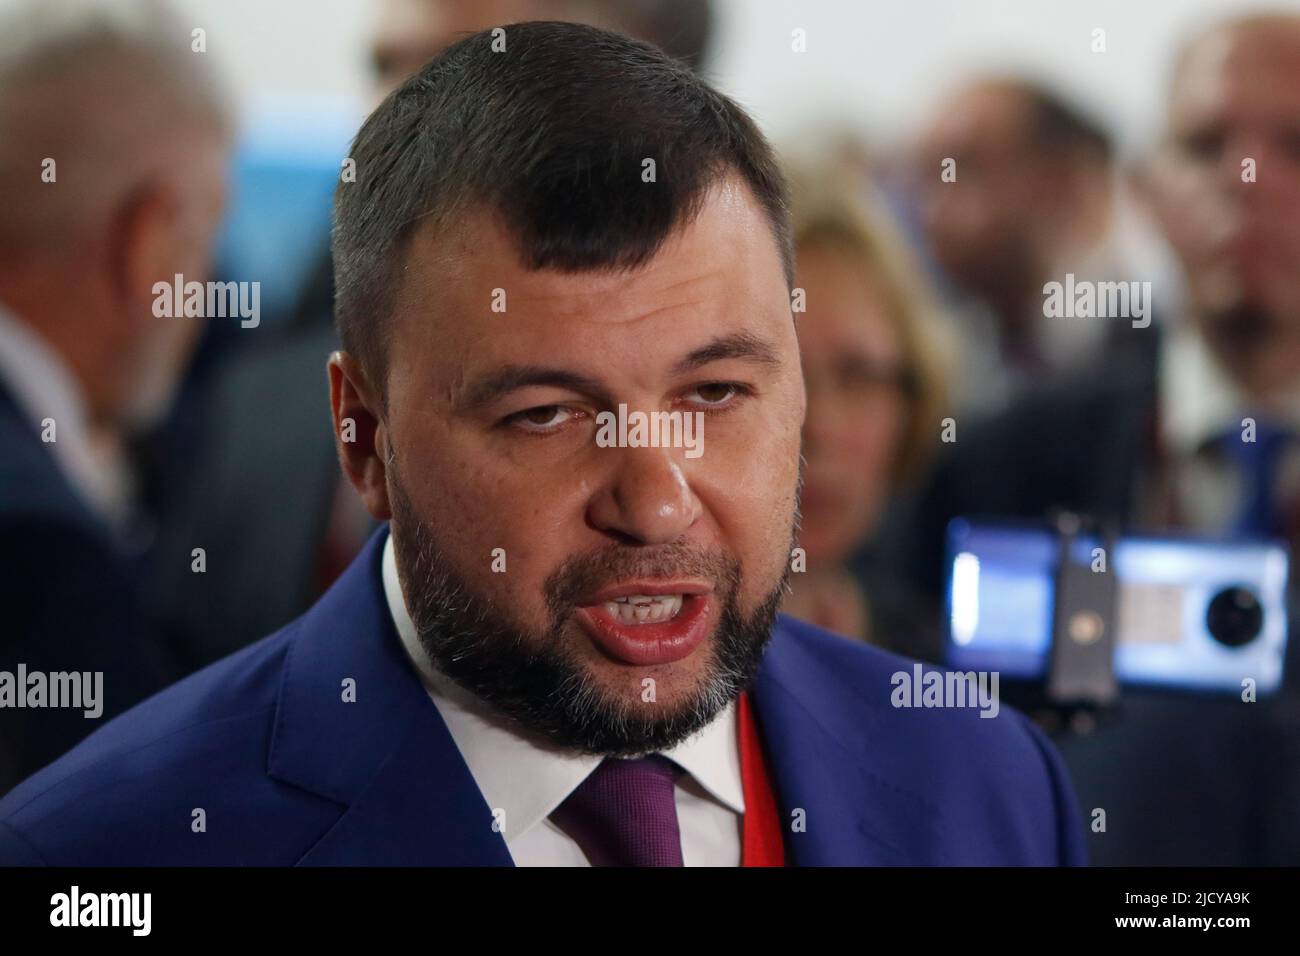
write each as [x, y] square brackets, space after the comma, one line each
[45, 388]
[527, 778]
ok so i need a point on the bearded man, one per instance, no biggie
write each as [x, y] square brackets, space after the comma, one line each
[558, 651]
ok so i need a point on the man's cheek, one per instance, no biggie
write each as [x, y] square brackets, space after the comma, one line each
[763, 455]
[758, 534]
[469, 532]
[512, 558]
[759, 476]
[503, 560]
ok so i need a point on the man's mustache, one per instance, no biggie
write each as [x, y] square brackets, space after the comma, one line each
[584, 574]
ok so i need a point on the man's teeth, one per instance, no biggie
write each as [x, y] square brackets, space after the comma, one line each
[644, 608]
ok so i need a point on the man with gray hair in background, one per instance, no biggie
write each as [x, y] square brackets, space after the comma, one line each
[113, 146]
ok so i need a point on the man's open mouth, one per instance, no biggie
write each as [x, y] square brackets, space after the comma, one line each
[648, 624]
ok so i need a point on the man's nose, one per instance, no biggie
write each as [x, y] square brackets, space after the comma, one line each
[647, 497]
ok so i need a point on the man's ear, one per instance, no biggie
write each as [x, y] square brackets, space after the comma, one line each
[360, 434]
[142, 245]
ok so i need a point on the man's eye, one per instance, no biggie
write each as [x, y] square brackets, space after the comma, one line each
[541, 418]
[716, 393]
[1203, 144]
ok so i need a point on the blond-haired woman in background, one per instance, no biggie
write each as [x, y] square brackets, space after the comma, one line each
[871, 347]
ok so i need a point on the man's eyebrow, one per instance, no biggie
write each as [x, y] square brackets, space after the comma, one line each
[738, 345]
[510, 378]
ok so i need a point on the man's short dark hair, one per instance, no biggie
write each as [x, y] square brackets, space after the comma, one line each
[551, 135]
[1058, 124]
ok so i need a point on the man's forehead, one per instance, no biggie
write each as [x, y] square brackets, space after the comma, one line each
[725, 257]
[1238, 64]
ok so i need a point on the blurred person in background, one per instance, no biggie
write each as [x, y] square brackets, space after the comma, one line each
[266, 499]
[1157, 445]
[113, 145]
[412, 32]
[1016, 188]
[874, 374]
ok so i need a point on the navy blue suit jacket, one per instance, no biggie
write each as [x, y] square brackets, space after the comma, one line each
[287, 772]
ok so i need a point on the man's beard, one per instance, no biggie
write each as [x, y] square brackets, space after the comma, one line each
[535, 679]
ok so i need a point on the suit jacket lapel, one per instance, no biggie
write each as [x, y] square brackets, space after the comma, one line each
[818, 736]
[386, 755]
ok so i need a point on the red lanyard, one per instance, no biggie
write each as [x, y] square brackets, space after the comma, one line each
[761, 841]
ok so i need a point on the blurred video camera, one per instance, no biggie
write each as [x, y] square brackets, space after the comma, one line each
[1080, 610]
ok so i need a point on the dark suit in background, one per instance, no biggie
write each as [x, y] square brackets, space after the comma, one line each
[69, 599]
[259, 502]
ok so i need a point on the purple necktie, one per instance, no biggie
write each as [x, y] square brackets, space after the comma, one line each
[625, 813]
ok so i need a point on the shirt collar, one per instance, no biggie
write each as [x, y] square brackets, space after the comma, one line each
[528, 777]
[1199, 402]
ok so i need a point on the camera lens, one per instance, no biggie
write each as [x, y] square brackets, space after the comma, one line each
[1234, 616]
